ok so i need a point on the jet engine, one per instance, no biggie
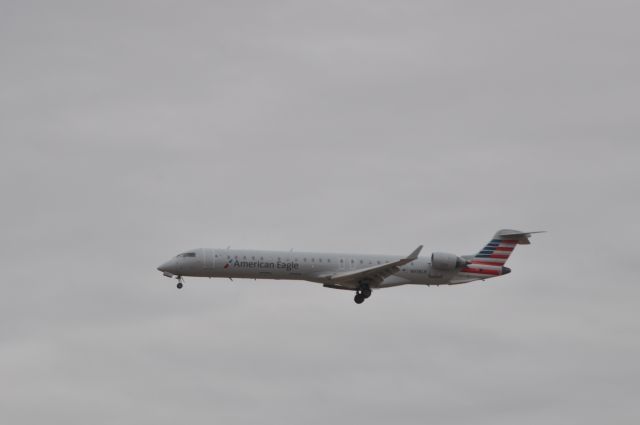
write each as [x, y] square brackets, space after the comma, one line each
[444, 261]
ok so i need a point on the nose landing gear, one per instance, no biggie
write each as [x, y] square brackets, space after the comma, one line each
[180, 282]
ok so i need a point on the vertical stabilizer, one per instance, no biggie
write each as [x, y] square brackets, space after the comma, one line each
[489, 262]
[500, 248]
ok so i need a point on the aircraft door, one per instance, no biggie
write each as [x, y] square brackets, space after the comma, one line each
[208, 259]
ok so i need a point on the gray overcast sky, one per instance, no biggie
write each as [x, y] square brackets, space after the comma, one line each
[133, 130]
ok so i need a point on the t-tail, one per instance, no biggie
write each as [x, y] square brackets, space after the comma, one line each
[491, 259]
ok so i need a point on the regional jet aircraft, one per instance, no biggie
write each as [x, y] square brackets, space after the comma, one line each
[354, 272]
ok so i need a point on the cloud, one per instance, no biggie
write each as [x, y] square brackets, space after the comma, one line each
[132, 131]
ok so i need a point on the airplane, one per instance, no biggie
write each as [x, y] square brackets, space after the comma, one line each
[360, 273]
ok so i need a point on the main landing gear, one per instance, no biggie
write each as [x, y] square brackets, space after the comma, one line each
[362, 294]
[180, 282]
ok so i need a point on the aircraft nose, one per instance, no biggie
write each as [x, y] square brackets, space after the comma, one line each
[167, 266]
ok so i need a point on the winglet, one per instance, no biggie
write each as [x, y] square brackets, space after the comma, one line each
[415, 253]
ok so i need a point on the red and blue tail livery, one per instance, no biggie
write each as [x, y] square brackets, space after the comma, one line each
[491, 259]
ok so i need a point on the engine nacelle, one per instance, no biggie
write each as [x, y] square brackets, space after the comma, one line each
[446, 262]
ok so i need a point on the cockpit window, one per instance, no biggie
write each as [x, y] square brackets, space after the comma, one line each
[187, 254]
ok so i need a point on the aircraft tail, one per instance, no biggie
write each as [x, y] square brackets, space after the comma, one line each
[489, 262]
[500, 248]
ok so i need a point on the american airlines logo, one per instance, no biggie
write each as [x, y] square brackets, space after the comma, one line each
[281, 265]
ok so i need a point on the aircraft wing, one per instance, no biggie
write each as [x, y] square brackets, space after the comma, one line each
[374, 274]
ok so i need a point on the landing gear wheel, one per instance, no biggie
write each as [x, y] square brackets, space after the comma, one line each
[366, 293]
[179, 285]
[359, 298]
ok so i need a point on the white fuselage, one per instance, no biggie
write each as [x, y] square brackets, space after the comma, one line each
[308, 266]
[356, 272]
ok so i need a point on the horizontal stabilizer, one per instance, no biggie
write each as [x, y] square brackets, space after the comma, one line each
[521, 238]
